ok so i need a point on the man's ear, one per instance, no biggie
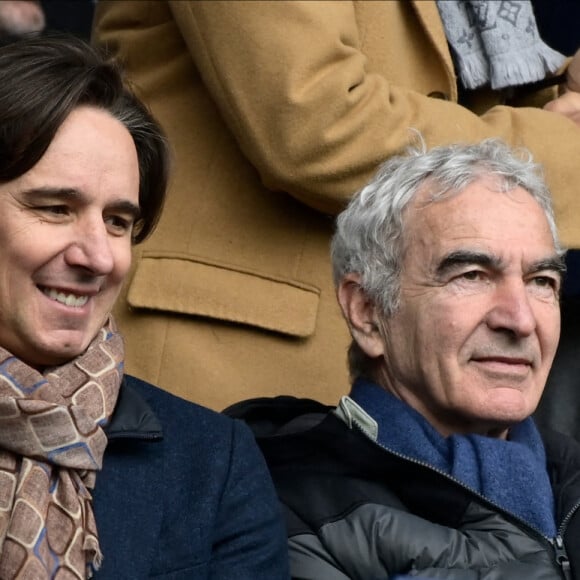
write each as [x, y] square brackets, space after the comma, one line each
[361, 314]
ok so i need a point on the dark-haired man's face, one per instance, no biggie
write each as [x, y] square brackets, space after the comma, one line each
[65, 239]
[472, 343]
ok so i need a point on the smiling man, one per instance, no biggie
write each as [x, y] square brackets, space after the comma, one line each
[102, 475]
[448, 271]
[65, 231]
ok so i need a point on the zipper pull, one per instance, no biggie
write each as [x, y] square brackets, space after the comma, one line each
[562, 558]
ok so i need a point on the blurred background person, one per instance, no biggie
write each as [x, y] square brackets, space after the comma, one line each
[277, 112]
[19, 17]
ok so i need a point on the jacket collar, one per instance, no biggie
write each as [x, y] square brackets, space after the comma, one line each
[428, 14]
[133, 418]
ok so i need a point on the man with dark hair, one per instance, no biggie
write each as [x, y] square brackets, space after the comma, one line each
[102, 475]
[448, 271]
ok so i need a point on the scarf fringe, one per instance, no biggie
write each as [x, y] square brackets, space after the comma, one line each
[509, 69]
[473, 70]
[520, 68]
[94, 556]
[496, 45]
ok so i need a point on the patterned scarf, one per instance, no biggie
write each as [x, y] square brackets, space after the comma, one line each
[496, 43]
[51, 445]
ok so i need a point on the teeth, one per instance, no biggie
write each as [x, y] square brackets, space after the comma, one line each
[68, 299]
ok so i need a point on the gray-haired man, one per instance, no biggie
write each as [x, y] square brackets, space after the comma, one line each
[448, 271]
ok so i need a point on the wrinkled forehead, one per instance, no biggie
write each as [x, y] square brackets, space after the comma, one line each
[434, 191]
[483, 212]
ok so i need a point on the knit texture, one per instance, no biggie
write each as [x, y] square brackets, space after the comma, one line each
[496, 43]
[510, 473]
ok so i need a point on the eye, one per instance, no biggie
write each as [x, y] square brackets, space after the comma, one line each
[546, 284]
[471, 279]
[53, 214]
[543, 281]
[472, 275]
[119, 225]
[54, 209]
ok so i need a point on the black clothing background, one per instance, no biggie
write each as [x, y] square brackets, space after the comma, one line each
[74, 16]
[558, 22]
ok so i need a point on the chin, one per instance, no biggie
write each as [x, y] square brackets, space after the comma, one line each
[52, 357]
[498, 411]
[507, 415]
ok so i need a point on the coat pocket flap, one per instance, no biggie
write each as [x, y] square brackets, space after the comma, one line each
[186, 285]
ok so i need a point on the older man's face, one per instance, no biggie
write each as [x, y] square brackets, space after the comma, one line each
[65, 239]
[472, 344]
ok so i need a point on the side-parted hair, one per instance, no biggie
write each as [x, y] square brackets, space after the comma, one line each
[42, 80]
[370, 233]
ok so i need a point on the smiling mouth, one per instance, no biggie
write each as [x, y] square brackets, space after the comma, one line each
[501, 367]
[63, 298]
[504, 361]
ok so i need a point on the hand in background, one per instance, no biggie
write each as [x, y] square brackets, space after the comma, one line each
[567, 105]
[573, 74]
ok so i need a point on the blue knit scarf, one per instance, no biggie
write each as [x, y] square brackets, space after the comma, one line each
[511, 473]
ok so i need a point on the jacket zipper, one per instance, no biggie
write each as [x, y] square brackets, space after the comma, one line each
[561, 556]
[557, 543]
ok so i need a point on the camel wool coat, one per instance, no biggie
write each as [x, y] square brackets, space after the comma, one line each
[277, 112]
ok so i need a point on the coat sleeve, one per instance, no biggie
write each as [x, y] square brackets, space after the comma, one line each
[250, 537]
[292, 82]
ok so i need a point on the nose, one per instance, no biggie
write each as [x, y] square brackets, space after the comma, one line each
[511, 309]
[91, 248]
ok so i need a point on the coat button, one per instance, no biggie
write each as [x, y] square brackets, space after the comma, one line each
[438, 95]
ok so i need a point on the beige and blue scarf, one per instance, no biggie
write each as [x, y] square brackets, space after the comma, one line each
[51, 446]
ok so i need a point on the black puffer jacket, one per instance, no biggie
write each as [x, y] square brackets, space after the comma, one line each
[358, 511]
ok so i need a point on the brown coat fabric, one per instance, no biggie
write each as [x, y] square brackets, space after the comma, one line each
[277, 112]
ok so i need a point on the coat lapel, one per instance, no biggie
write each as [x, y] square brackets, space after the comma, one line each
[428, 15]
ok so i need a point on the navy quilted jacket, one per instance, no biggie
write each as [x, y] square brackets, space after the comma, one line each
[357, 511]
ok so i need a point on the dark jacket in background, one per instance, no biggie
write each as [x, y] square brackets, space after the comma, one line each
[74, 16]
[559, 407]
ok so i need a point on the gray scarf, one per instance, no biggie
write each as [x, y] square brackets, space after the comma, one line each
[496, 43]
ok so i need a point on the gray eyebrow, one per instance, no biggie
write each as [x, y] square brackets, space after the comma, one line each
[554, 263]
[460, 258]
